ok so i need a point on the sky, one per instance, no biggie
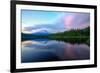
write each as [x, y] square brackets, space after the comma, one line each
[35, 21]
[33, 18]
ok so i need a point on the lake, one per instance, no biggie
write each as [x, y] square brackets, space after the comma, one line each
[43, 50]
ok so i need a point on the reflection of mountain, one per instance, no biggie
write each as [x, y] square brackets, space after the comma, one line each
[38, 51]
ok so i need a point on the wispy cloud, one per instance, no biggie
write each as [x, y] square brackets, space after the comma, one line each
[36, 21]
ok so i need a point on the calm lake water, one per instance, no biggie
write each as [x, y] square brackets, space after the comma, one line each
[41, 50]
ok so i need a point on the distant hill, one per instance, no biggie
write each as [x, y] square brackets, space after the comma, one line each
[76, 35]
[73, 36]
[71, 33]
[42, 33]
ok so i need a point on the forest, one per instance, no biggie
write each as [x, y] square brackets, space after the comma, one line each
[73, 36]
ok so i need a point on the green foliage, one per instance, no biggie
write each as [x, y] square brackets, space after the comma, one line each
[73, 36]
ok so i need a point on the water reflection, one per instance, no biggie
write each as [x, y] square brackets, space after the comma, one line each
[40, 50]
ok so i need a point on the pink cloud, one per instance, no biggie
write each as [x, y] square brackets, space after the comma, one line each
[82, 26]
[68, 21]
[76, 21]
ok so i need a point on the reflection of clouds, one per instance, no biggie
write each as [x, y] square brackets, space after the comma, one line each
[39, 43]
[69, 52]
[46, 45]
[36, 43]
[73, 50]
[65, 51]
[82, 46]
[27, 43]
[35, 46]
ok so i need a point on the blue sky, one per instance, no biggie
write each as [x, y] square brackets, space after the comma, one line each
[35, 21]
[33, 18]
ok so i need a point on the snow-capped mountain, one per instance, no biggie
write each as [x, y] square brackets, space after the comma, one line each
[43, 29]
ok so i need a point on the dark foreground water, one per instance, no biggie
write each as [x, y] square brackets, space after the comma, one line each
[41, 50]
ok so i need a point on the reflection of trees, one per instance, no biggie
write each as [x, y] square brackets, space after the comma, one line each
[60, 49]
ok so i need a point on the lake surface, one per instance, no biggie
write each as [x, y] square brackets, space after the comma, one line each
[43, 50]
